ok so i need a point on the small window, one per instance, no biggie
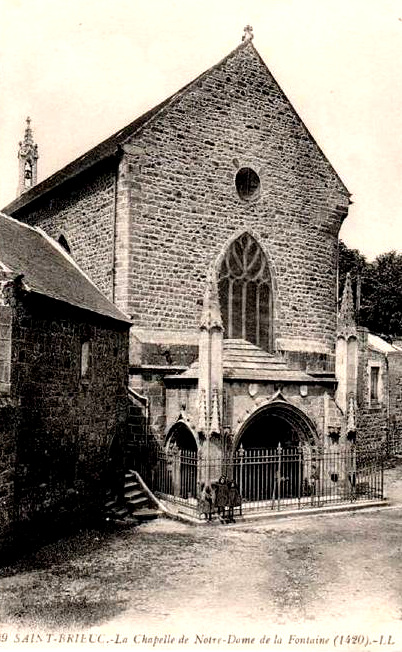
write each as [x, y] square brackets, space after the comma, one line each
[374, 385]
[63, 243]
[247, 183]
[85, 359]
[28, 174]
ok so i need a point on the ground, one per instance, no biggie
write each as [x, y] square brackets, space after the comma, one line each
[326, 573]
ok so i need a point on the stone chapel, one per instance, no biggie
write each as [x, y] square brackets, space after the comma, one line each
[212, 222]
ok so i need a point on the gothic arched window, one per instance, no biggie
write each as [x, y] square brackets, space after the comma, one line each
[245, 293]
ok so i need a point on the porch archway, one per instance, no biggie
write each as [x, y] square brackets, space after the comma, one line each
[182, 437]
[270, 452]
[277, 423]
[182, 457]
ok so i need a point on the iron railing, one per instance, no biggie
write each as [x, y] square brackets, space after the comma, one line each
[266, 479]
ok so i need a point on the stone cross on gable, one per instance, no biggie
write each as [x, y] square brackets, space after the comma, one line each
[248, 33]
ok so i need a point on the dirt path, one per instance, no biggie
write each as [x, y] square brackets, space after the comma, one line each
[311, 570]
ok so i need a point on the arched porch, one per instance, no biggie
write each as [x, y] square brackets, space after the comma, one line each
[277, 423]
[274, 453]
[181, 449]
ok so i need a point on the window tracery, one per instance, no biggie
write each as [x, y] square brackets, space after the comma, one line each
[245, 293]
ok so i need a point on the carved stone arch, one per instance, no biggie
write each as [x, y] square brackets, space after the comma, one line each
[181, 447]
[181, 435]
[217, 263]
[277, 421]
[247, 289]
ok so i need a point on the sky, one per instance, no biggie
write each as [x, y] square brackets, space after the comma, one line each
[83, 69]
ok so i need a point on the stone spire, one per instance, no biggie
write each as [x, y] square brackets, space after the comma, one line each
[351, 415]
[211, 312]
[28, 161]
[346, 317]
[216, 421]
[346, 357]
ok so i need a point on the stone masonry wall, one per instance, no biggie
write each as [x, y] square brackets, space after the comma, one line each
[372, 420]
[66, 419]
[5, 348]
[7, 468]
[395, 401]
[184, 205]
[83, 212]
[7, 428]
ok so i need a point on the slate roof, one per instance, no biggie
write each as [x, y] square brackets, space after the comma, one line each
[113, 145]
[47, 269]
[245, 361]
[376, 343]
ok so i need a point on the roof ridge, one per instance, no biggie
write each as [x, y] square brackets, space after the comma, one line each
[166, 104]
[110, 146]
[112, 143]
[298, 116]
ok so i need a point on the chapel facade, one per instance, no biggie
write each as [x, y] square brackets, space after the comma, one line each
[212, 222]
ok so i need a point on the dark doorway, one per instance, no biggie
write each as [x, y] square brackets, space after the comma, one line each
[183, 458]
[268, 431]
[182, 437]
[268, 461]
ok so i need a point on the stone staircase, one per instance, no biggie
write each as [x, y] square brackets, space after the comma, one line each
[135, 507]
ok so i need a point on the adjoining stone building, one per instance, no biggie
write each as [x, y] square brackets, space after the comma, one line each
[63, 388]
[369, 377]
[213, 222]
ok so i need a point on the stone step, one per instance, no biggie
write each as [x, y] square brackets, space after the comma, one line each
[258, 354]
[137, 502]
[133, 493]
[230, 345]
[147, 514]
[252, 364]
[130, 485]
[255, 359]
[119, 512]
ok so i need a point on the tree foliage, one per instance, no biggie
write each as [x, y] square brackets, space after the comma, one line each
[381, 289]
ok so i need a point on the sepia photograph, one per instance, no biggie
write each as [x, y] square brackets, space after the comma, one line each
[201, 325]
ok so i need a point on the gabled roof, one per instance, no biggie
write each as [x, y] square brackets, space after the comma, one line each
[47, 269]
[112, 146]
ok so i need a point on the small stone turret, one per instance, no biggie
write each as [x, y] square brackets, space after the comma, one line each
[28, 161]
[347, 356]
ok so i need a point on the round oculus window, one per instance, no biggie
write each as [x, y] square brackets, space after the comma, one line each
[247, 183]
